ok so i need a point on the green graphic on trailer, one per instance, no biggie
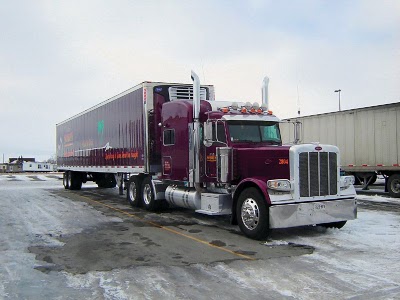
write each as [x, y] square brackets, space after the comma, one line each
[100, 131]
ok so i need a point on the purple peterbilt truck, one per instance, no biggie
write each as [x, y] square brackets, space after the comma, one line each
[174, 144]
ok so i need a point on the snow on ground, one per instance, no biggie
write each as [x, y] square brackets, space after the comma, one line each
[30, 177]
[359, 261]
[378, 198]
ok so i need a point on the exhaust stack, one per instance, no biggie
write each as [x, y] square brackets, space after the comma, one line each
[264, 92]
[196, 130]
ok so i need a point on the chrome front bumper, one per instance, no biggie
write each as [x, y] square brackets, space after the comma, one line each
[311, 213]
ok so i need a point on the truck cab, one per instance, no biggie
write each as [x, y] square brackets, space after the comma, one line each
[245, 171]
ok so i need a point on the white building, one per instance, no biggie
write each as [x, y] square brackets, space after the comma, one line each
[38, 167]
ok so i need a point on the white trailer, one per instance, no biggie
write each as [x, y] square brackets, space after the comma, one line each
[368, 139]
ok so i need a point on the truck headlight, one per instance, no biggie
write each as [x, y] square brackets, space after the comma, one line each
[346, 181]
[283, 185]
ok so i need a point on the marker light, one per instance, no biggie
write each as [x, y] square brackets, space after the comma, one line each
[256, 105]
[234, 106]
[264, 107]
[225, 109]
[248, 105]
[259, 111]
[243, 110]
[270, 112]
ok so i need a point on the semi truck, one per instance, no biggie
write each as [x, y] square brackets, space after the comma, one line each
[368, 139]
[174, 145]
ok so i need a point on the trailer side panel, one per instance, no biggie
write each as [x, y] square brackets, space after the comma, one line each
[108, 135]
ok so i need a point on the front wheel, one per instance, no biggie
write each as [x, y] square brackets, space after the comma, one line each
[393, 185]
[252, 214]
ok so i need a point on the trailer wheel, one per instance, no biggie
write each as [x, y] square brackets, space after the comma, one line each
[69, 182]
[252, 213]
[148, 197]
[133, 194]
[393, 185]
[66, 180]
[75, 181]
[337, 225]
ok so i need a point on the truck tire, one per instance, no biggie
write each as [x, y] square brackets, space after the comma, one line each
[134, 195]
[75, 181]
[337, 225]
[69, 182]
[393, 185]
[252, 214]
[66, 180]
[148, 197]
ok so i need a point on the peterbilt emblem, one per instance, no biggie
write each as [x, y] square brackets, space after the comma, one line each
[318, 148]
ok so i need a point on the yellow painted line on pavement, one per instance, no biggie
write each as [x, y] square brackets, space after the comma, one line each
[170, 229]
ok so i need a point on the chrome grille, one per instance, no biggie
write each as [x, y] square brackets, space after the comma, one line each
[318, 174]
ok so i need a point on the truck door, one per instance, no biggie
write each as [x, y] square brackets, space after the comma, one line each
[175, 140]
[218, 138]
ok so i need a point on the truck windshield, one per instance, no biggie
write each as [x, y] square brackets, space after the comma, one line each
[255, 132]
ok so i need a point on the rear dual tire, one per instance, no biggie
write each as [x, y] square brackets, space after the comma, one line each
[72, 180]
[148, 196]
[134, 194]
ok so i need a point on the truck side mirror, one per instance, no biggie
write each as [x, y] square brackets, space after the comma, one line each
[208, 134]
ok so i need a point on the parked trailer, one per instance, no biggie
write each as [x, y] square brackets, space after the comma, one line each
[368, 139]
[173, 144]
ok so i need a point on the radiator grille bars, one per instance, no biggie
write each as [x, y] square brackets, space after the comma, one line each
[318, 174]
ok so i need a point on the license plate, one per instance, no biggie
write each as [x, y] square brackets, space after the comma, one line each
[319, 206]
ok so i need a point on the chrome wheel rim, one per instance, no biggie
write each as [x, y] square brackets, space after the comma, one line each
[147, 194]
[250, 213]
[132, 191]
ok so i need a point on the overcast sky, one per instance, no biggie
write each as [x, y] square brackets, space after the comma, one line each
[58, 58]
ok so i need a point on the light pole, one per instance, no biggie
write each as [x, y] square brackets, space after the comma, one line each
[338, 91]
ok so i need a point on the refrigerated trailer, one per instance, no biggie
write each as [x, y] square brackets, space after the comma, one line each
[174, 145]
[368, 139]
